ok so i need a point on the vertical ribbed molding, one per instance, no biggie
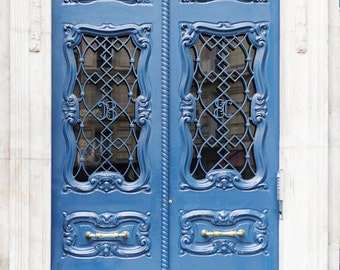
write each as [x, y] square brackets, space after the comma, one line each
[4, 135]
[19, 115]
[165, 84]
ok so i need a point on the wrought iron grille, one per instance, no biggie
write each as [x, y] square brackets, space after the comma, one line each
[223, 86]
[107, 89]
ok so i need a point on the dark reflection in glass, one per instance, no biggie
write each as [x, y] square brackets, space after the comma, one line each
[223, 86]
[107, 88]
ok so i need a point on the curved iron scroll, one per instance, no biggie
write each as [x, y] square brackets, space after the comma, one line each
[77, 224]
[252, 222]
[103, 179]
[224, 177]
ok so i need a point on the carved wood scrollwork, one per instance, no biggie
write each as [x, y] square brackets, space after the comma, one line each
[252, 223]
[77, 224]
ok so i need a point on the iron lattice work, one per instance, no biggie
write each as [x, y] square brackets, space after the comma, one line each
[107, 134]
[224, 105]
[107, 108]
[223, 84]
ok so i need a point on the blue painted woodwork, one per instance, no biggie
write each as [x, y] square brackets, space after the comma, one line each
[165, 124]
[78, 223]
[253, 222]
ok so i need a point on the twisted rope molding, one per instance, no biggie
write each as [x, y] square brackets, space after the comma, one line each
[165, 86]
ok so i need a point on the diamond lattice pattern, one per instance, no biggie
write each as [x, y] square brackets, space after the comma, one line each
[106, 87]
[223, 85]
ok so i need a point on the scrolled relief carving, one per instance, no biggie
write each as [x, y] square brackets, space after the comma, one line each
[253, 222]
[188, 108]
[106, 181]
[72, 35]
[258, 108]
[141, 36]
[259, 34]
[71, 110]
[143, 110]
[224, 179]
[77, 224]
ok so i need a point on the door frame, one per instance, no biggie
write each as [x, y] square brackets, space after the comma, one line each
[28, 167]
[257, 29]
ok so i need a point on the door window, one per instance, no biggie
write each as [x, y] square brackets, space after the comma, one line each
[106, 110]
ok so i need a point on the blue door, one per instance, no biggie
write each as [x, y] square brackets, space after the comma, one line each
[165, 134]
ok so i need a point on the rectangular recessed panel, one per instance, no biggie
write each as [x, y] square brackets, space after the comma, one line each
[122, 234]
[223, 232]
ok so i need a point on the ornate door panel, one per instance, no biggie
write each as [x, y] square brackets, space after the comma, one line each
[165, 134]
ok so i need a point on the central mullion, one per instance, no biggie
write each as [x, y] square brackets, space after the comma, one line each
[165, 131]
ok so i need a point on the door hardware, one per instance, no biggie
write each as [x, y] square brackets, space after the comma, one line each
[233, 233]
[124, 234]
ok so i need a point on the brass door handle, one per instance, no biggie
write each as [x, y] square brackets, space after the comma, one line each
[233, 233]
[124, 234]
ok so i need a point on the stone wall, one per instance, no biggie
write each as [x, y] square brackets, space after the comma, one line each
[334, 137]
[4, 133]
[304, 134]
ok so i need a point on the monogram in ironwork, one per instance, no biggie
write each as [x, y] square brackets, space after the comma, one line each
[106, 108]
[224, 105]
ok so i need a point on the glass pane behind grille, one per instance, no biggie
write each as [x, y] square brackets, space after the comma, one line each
[107, 88]
[223, 86]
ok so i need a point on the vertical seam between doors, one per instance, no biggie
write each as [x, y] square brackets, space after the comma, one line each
[165, 87]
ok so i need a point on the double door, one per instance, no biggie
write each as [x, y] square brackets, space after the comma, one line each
[165, 134]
